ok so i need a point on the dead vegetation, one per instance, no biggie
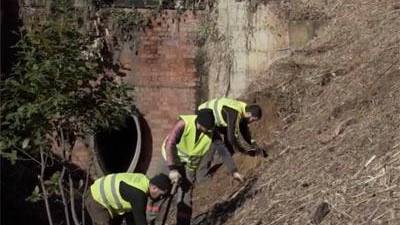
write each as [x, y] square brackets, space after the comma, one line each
[335, 158]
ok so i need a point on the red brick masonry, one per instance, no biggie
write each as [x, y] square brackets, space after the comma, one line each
[163, 73]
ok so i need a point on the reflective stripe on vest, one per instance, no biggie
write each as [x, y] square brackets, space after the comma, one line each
[216, 106]
[190, 151]
[105, 190]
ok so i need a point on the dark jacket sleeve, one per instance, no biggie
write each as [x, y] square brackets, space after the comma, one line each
[230, 116]
[243, 141]
[138, 200]
[245, 131]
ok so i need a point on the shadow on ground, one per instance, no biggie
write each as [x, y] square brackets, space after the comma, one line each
[221, 211]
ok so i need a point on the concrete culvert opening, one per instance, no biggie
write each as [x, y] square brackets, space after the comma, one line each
[119, 149]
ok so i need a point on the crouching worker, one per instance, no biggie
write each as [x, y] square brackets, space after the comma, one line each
[124, 193]
[232, 133]
[185, 146]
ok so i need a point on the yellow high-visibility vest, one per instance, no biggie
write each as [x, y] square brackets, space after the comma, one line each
[216, 106]
[191, 151]
[105, 190]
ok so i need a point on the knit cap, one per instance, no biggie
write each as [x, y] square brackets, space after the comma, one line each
[161, 181]
[205, 117]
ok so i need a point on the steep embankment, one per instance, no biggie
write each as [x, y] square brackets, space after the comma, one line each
[335, 157]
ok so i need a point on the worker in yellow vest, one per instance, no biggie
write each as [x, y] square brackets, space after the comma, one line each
[182, 150]
[122, 193]
[232, 118]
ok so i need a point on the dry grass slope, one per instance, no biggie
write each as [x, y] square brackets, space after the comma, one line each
[335, 158]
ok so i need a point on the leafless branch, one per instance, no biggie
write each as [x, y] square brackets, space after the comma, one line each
[72, 200]
[84, 194]
[61, 186]
[45, 194]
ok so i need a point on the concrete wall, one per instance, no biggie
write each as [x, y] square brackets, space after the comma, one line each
[254, 37]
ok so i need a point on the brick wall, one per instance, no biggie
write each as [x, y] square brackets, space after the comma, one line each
[163, 73]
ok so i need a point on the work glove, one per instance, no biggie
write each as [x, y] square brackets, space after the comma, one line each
[257, 150]
[237, 176]
[174, 175]
[262, 152]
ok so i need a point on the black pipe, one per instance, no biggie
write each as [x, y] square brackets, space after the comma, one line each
[118, 150]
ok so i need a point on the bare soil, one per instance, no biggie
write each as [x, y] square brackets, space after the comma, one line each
[332, 126]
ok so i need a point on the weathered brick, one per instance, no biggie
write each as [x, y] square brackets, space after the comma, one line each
[164, 71]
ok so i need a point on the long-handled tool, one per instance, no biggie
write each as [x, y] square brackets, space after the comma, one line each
[173, 191]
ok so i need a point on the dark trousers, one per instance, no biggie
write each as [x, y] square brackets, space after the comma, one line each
[98, 214]
[210, 164]
[184, 197]
[101, 216]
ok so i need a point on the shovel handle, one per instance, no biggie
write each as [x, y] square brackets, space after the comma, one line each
[173, 191]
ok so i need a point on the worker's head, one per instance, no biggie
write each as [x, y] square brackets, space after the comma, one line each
[253, 113]
[205, 121]
[160, 185]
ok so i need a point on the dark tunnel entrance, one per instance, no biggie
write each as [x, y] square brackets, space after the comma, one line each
[118, 150]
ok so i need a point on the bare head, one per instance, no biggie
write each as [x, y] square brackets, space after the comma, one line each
[253, 113]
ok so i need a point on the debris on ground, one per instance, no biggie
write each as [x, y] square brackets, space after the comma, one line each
[335, 157]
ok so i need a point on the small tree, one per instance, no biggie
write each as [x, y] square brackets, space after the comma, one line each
[59, 90]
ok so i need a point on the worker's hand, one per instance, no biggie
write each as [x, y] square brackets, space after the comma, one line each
[257, 150]
[237, 176]
[263, 152]
[174, 175]
[253, 146]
